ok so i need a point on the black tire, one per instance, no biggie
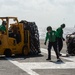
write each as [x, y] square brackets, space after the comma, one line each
[34, 36]
[7, 53]
[25, 51]
[73, 51]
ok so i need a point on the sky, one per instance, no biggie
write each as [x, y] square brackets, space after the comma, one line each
[43, 12]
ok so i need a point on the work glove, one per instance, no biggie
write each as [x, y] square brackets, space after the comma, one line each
[44, 43]
[63, 39]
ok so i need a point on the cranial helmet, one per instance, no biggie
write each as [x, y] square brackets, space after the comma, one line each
[49, 28]
[4, 23]
[63, 25]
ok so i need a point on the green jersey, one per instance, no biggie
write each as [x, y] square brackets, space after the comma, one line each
[2, 28]
[51, 36]
[59, 32]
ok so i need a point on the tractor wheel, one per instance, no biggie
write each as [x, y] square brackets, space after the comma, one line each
[7, 53]
[73, 52]
[25, 51]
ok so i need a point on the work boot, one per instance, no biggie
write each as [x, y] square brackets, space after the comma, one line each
[59, 60]
[67, 55]
[48, 59]
[60, 54]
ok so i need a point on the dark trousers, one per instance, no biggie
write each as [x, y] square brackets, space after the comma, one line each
[54, 45]
[59, 44]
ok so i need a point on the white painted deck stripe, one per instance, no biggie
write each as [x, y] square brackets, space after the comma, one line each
[71, 58]
[23, 67]
[29, 66]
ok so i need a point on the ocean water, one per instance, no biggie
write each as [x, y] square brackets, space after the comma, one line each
[42, 31]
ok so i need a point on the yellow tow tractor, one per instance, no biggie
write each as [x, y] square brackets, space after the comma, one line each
[16, 39]
[12, 41]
